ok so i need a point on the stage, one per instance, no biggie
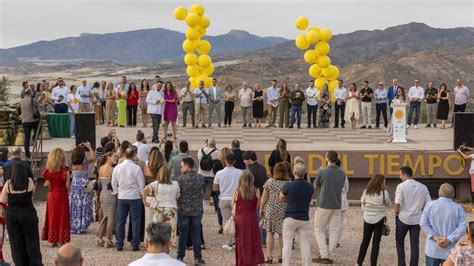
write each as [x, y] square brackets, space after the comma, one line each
[363, 152]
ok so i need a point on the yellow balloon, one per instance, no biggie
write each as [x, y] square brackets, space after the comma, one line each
[201, 31]
[208, 82]
[315, 29]
[193, 82]
[312, 37]
[192, 20]
[204, 47]
[197, 9]
[193, 71]
[205, 22]
[323, 61]
[180, 13]
[190, 59]
[189, 46]
[314, 71]
[301, 42]
[192, 34]
[332, 86]
[325, 34]
[201, 77]
[209, 70]
[310, 56]
[331, 72]
[302, 23]
[322, 48]
[319, 82]
[204, 60]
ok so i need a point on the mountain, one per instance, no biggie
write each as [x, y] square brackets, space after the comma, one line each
[138, 46]
[406, 52]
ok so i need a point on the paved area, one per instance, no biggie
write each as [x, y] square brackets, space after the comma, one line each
[263, 139]
[346, 254]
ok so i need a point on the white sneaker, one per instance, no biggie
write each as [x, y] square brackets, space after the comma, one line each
[408, 126]
[227, 247]
[415, 126]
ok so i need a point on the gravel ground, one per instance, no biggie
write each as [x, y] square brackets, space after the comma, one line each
[346, 254]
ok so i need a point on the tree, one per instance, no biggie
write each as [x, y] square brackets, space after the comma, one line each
[4, 89]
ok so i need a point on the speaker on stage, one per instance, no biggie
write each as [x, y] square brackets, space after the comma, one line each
[85, 128]
[463, 129]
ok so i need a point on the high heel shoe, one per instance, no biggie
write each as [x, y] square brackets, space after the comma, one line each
[100, 242]
[109, 243]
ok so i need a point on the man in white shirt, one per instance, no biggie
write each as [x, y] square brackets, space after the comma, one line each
[416, 94]
[461, 97]
[158, 243]
[85, 93]
[340, 103]
[272, 100]
[59, 96]
[245, 97]
[215, 96]
[312, 94]
[226, 183]
[201, 95]
[128, 182]
[381, 94]
[124, 83]
[187, 103]
[142, 148]
[155, 101]
[410, 199]
[203, 159]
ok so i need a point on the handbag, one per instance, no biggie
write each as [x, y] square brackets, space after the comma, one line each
[152, 199]
[90, 185]
[229, 226]
[385, 227]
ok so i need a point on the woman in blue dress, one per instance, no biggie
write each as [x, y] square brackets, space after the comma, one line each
[80, 201]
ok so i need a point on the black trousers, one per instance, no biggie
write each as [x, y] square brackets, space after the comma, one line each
[459, 108]
[340, 109]
[401, 231]
[132, 115]
[22, 228]
[312, 111]
[369, 230]
[103, 111]
[228, 109]
[27, 128]
[60, 108]
[381, 108]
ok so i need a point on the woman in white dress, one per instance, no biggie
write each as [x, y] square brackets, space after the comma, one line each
[164, 204]
[352, 106]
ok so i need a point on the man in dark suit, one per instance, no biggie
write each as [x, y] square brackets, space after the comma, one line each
[392, 92]
[238, 154]
[16, 158]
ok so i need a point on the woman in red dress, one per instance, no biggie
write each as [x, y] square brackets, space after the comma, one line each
[248, 245]
[132, 104]
[57, 228]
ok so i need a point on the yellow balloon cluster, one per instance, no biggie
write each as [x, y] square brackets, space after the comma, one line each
[321, 68]
[199, 66]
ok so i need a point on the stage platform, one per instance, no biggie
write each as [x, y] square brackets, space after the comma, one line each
[304, 139]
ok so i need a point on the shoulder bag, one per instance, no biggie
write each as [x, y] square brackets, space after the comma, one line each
[385, 226]
[229, 226]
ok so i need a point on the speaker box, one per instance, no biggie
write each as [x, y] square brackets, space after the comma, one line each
[85, 128]
[463, 129]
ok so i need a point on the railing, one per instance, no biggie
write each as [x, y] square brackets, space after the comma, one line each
[37, 154]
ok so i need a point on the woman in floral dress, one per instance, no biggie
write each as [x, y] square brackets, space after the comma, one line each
[164, 204]
[272, 210]
[144, 89]
[80, 201]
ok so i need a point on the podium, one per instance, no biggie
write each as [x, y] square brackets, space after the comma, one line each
[399, 123]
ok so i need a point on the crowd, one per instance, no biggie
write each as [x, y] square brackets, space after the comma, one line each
[118, 104]
[161, 191]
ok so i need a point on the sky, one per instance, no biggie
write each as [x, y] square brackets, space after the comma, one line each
[26, 21]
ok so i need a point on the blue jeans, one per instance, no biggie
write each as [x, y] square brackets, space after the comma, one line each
[186, 223]
[155, 121]
[209, 181]
[429, 261]
[414, 106]
[72, 124]
[135, 209]
[297, 110]
[401, 231]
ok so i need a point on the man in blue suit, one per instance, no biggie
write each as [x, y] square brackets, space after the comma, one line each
[392, 92]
